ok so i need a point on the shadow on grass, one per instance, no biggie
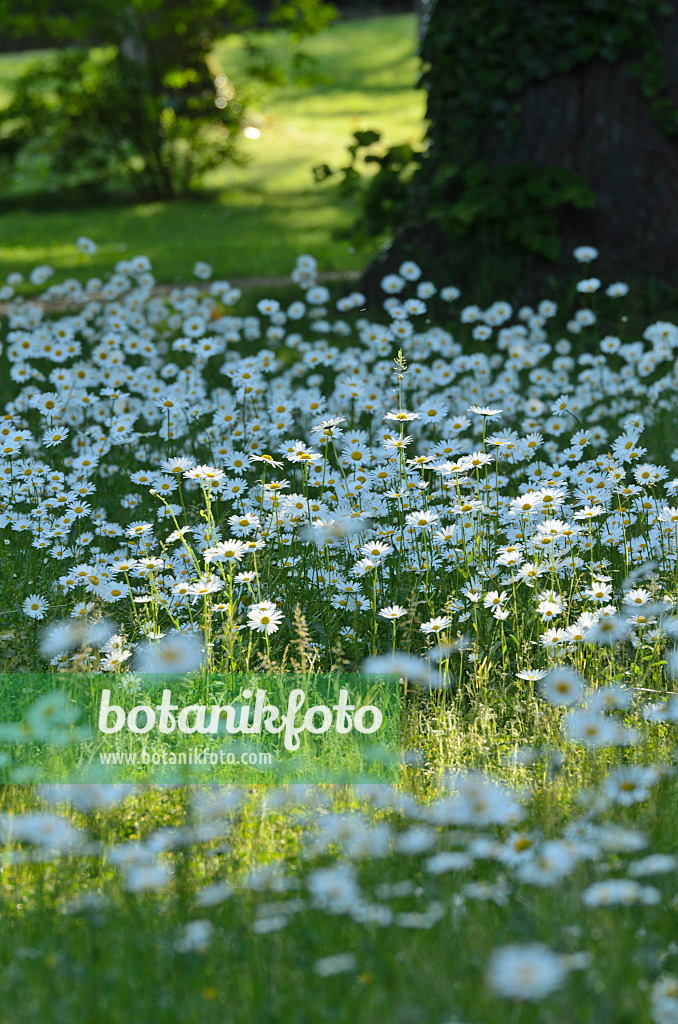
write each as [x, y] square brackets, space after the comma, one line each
[242, 234]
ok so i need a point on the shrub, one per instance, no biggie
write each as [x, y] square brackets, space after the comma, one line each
[148, 109]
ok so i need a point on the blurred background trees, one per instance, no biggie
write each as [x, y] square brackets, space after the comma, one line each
[132, 97]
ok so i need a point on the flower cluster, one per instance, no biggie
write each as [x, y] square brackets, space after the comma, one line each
[206, 472]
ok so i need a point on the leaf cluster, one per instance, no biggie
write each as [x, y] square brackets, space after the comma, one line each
[380, 180]
[478, 62]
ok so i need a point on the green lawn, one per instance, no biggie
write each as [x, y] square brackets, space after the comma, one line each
[255, 219]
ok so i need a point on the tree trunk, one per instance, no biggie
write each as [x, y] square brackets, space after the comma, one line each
[596, 121]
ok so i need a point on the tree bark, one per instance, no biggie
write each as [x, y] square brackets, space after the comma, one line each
[596, 121]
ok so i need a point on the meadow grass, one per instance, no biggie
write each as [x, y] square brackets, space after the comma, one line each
[256, 218]
[78, 943]
[517, 571]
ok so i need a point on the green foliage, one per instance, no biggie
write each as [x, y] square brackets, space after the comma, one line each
[478, 62]
[384, 195]
[523, 200]
[149, 108]
[180, 25]
[83, 119]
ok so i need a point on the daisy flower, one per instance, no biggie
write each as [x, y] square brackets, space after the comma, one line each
[226, 551]
[436, 625]
[521, 972]
[34, 606]
[562, 685]
[482, 410]
[392, 612]
[264, 617]
[585, 254]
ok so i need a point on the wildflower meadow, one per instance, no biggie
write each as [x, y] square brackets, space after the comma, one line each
[478, 503]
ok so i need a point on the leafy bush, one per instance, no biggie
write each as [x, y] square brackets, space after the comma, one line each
[148, 108]
[383, 196]
[523, 200]
[78, 121]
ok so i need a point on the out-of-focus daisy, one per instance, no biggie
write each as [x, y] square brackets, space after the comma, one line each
[177, 653]
[521, 972]
[562, 685]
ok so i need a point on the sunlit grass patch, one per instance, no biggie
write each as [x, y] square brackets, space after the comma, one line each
[257, 217]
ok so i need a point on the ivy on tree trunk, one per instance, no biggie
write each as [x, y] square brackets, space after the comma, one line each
[551, 124]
